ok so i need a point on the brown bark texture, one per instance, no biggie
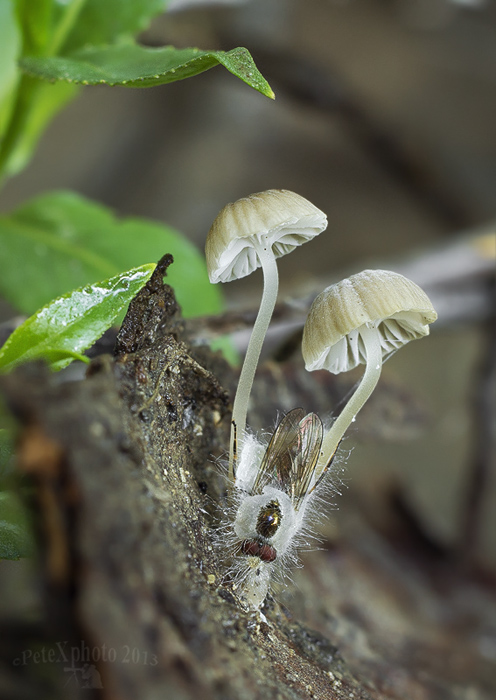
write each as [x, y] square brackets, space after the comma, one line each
[133, 598]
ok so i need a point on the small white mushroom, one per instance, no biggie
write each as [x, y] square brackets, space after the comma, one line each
[250, 233]
[362, 320]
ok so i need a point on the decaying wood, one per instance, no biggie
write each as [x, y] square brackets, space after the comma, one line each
[126, 489]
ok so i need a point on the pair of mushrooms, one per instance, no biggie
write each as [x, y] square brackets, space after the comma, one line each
[360, 320]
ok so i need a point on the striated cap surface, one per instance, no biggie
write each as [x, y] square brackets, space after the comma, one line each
[284, 218]
[398, 308]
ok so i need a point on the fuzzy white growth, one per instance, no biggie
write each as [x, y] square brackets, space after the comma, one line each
[249, 460]
[246, 518]
[256, 582]
[252, 576]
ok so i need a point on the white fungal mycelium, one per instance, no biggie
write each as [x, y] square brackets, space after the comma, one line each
[273, 505]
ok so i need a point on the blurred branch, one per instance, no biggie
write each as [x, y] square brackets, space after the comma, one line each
[181, 5]
[310, 84]
[480, 469]
[459, 278]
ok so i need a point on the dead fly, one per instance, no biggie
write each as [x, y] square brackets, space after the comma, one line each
[270, 514]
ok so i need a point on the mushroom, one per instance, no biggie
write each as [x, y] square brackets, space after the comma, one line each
[250, 233]
[362, 320]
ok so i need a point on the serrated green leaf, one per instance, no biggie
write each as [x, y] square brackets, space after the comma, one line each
[66, 241]
[106, 21]
[16, 538]
[64, 328]
[131, 65]
[10, 48]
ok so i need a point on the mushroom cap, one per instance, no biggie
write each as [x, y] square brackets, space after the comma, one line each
[393, 304]
[286, 219]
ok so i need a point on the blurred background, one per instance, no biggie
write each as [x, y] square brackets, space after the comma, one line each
[384, 117]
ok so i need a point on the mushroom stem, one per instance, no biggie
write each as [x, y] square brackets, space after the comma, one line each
[269, 296]
[373, 352]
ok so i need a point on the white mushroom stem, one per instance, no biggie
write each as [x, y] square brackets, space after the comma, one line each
[373, 353]
[269, 296]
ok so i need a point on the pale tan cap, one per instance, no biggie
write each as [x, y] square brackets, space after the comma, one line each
[399, 309]
[285, 218]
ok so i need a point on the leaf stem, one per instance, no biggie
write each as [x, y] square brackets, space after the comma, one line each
[66, 23]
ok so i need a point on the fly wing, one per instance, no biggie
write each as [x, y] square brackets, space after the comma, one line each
[278, 463]
[310, 433]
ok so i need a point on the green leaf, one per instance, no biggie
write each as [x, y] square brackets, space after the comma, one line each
[66, 241]
[64, 328]
[6, 453]
[36, 105]
[10, 48]
[131, 65]
[16, 538]
[106, 21]
[225, 344]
